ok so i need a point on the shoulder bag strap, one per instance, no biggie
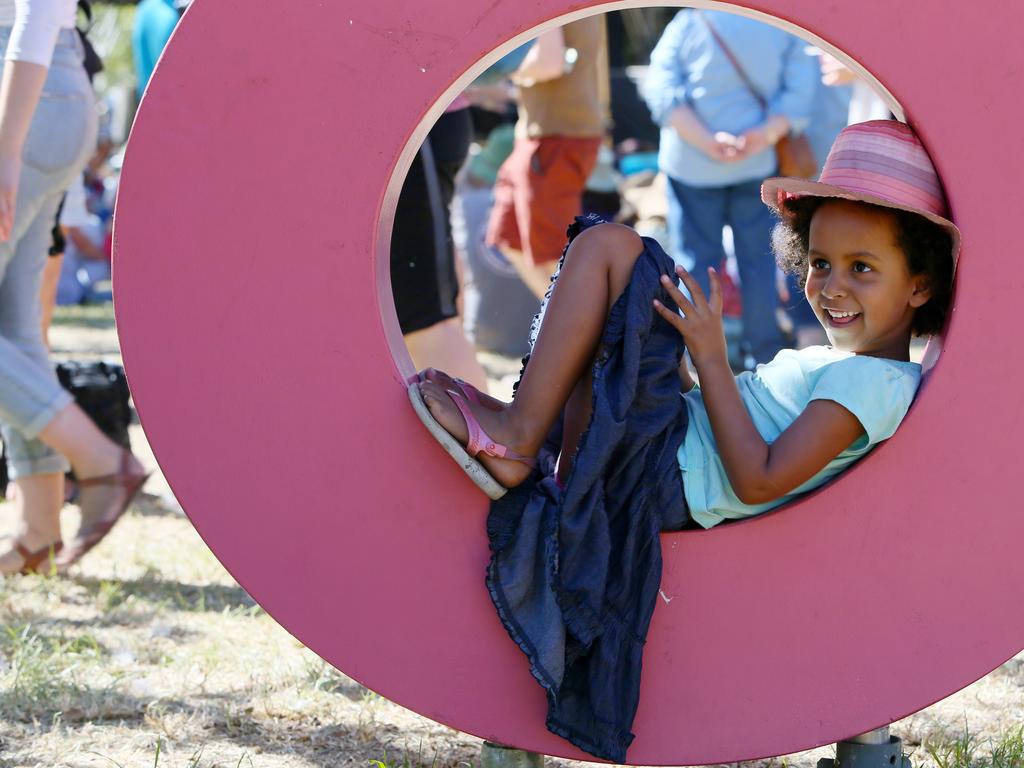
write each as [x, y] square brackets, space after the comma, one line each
[735, 63]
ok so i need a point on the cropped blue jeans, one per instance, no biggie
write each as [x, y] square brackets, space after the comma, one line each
[61, 138]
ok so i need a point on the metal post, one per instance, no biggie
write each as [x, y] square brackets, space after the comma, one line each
[874, 749]
[499, 756]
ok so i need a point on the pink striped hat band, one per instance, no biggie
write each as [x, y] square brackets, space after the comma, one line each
[881, 162]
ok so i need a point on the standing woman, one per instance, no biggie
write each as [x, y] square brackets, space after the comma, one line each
[47, 131]
[725, 89]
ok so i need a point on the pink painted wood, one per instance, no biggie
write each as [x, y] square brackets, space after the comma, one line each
[261, 345]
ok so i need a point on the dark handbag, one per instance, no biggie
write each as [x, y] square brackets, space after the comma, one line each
[792, 152]
[101, 390]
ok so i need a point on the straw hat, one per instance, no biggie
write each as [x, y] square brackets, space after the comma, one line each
[880, 162]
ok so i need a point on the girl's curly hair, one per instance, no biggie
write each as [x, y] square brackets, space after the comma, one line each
[926, 245]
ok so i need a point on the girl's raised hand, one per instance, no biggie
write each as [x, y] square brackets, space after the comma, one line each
[701, 321]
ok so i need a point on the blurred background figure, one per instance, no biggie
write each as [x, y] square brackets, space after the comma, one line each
[155, 20]
[85, 272]
[842, 98]
[717, 146]
[562, 105]
[497, 306]
[424, 281]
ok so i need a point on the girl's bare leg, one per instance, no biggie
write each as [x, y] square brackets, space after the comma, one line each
[577, 418]
[596, 270]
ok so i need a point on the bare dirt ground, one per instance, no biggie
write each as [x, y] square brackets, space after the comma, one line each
[149, 654]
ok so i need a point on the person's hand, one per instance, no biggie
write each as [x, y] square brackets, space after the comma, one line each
[755, 140]
[723, 147]
[700, 324]
[834, 72]
[10, 171]
[494, 97]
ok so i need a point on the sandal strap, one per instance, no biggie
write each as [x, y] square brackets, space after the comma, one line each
[115, 479]
[479, 440]
[121, 477]
[472, 393]
[31, 560]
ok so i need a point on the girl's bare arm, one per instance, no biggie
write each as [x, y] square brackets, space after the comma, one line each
[757, 471]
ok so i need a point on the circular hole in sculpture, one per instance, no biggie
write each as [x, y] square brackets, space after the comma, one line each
[570, 119]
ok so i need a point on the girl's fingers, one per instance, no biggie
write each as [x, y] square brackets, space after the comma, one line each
[716, 291]
[673, 318]
[696, 292]
[676, 295]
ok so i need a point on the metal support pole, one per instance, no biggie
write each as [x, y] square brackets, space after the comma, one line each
[874, 749]
[499, 756]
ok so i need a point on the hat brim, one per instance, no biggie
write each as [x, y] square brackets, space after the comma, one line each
[775, 192]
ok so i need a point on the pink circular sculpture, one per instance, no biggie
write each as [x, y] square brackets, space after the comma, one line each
[254, 309]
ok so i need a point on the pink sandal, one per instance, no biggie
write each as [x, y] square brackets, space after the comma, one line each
[479, 441]
[470, 392]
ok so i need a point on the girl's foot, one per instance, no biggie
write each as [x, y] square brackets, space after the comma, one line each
[508, 472]
[473, 394]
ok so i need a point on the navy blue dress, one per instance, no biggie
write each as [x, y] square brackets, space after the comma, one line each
[575, 571]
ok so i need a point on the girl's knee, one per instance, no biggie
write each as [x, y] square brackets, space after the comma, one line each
[616, 245]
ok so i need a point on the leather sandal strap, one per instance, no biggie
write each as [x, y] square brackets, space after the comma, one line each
[30, 559]
[115, 479]
[122, 477]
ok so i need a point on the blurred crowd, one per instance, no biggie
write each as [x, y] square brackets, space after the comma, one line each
[667, 120]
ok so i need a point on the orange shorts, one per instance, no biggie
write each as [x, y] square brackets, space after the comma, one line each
[538, 192]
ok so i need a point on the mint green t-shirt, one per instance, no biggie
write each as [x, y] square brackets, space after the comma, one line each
[875, 390]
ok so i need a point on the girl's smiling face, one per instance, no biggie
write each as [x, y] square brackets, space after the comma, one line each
[858, 281]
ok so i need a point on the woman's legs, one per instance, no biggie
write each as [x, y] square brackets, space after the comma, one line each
[29, 392]
[43, 428]
[752, 223]
[596, 270]
[39, 500]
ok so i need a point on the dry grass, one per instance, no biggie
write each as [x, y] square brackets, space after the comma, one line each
[156, 657]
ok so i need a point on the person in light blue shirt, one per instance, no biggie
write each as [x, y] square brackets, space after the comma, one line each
[155, 20]
[717, 146]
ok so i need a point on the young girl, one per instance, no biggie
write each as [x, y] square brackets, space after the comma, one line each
[599, 451]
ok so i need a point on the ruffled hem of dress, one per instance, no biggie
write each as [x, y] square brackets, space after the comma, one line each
[514, 632]
[612, 748]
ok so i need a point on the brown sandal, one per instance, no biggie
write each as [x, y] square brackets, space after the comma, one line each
[89, 535]
[32, 560]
